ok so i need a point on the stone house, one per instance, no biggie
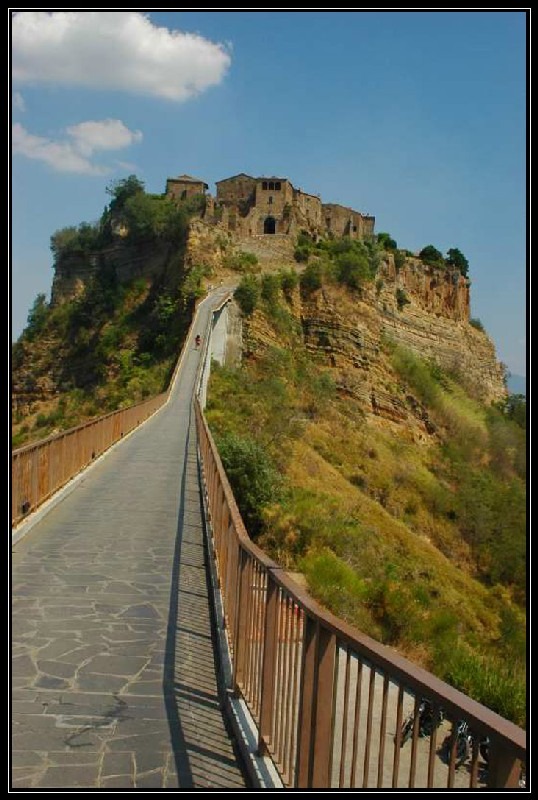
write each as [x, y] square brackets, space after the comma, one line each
[249, 206]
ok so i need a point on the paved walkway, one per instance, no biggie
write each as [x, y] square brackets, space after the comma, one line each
[114, 680]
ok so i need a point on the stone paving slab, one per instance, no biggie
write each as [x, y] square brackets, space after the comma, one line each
[113, 671]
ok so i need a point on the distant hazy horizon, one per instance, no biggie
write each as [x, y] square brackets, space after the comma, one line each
[517, 384]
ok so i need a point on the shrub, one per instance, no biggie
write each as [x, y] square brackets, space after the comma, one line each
[247, 294]
[37, 317]
[353, 269]
[476, 323]
[497, 685]
[301, 253]
[431, 256]
[399, 259]
[289, 280]
[456, 259]
[401, 299]
[254, 480]
[304, 239]
[270, 288]
[386, 241]
[240, 261]
[312, 278]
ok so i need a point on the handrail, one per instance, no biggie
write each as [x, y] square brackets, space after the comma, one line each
[315, 685]
[40, 469]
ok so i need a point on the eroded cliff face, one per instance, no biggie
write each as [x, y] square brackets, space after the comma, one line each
[73, 272]
[352, 333]
[419, 307]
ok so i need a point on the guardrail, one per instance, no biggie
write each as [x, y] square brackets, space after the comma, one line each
[330, 703]
[39, 469]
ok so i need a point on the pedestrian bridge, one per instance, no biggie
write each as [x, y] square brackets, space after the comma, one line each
[151, 636]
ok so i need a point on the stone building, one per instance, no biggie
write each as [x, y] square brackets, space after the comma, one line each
[343, 221]
[185, 186]
[265, 206]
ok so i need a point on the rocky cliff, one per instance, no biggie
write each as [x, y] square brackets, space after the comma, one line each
[354, 334]
[73, 271]
[422, 308]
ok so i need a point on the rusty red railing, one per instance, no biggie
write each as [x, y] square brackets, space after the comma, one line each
[329, 702]
[40, 469]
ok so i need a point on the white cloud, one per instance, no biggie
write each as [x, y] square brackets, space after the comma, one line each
[106, 134]
[114, 50]
[73, 154]
[18, 102]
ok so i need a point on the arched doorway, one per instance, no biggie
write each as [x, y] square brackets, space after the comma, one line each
[269, 226]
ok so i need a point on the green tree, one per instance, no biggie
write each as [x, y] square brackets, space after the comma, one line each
[386, 241]
[456, 259]
[63, 241]
[122, 190]
[37, 317]
[270, 288]
[289, 280]
[353, 269]
[88, 237]
[431, 256]
[254, 480]
[312, 278]
[247, 294]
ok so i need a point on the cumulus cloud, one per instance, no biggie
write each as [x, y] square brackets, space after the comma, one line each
[74, 153]
[106, 134]
[18, 102]
[114, 50]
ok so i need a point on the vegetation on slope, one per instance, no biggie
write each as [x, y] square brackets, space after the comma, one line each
[422, 547]
[116, 343]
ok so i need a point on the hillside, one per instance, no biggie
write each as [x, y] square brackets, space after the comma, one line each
[377, 475]
[367, 430]
[122, 299]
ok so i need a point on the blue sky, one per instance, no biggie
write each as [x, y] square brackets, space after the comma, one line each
[416, 117]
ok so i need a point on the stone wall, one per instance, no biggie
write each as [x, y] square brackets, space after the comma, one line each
[253, 203]
[271, 203]
[308, 212]
[343, 221]
[238, 190]
[177, 189]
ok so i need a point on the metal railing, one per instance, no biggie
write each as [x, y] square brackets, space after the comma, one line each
[40, 469]
[330, 703]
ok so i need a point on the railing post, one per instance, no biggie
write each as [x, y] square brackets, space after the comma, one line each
[326, 686]
[316, 710]
[240, 644]
[307, 704]
[270, 650]
[503, 768]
